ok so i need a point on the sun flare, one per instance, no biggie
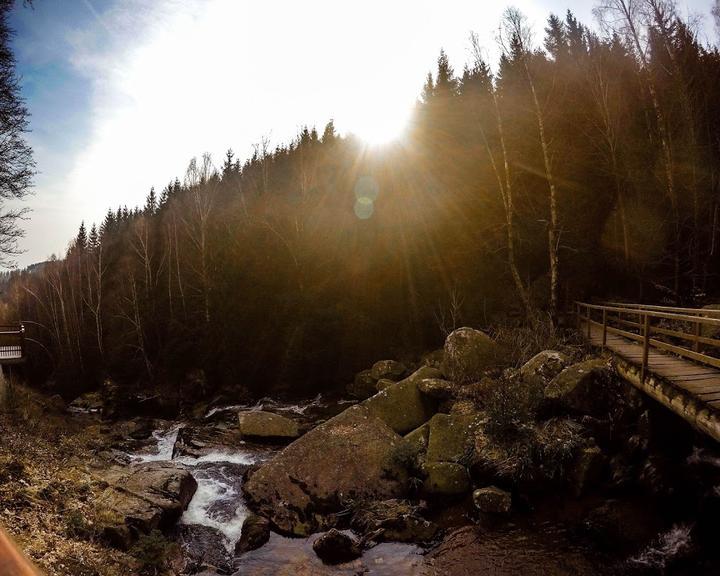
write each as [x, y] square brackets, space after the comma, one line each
[381, 124]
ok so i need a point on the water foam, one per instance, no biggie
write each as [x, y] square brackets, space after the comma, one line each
[672, 543]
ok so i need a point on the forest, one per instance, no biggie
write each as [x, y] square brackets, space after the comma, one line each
[583, 164]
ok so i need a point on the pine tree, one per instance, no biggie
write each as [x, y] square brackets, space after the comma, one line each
[151, 202]
[93, 239]
[446, 84]
[81, 238]
[329, 135]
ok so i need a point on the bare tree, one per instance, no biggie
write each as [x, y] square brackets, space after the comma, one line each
[515, 29]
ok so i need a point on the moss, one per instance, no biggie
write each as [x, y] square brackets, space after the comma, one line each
[451, 437]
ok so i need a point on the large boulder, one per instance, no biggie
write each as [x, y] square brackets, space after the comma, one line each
[468, 354]
[451, 437]
[587, 469]
[393, 521]
[142, 498]
[492, 500]
[402, 406]
[88, 402]
[349, 457]
[390, 369]
[258, 425]
[543, 367]
[582, 388]
[446, 479]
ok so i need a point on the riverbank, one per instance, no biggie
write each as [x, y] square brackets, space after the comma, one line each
[556, 467]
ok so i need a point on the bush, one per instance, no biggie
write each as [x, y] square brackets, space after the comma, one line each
[78, 526]
[153, 551]
[511, 407]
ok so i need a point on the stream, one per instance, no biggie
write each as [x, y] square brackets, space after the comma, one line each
[536, 543]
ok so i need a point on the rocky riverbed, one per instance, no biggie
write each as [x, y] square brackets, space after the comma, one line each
[455, 465]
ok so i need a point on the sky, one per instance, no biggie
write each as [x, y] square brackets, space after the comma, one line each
[123, 93]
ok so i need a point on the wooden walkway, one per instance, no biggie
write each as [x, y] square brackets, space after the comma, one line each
[12, 344]
[701, 381]
[671, 354]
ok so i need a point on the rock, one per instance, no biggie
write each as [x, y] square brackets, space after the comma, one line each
[363, 386]
[335, 547]
[451, 437]
[266, 426]
[390, 369]
[142, 498]
[55, 403]
[437, 388]
[587, 469]
[88, 402]
[468, 354]
[622, 526]
[543, 367]
[492, 500]
[582, 387]
[205, 548]
[446, 479]
[380, 385]
[402, 406]
[418, 438]
[255, 533]
[349, 457]
[393, 521]
[434, 359]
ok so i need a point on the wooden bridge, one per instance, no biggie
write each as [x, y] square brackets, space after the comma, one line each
[671, 354]
[12, 343]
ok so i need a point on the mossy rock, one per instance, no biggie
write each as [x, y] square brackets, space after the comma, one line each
[582, 388]
[446, 479]
[383, 383]
[418, 438]
[402, 406]
[468, 354]
[543, 367]
[451, 437]
[437, 388]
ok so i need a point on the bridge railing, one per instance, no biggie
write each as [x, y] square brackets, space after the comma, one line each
[12, 343]
[696, 327]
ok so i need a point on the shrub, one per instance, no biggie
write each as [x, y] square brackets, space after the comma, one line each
[511, 407]
[153, 551]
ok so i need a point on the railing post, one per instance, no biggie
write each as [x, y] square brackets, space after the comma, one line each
[696, 344]
[604, 337]
[22, 340]
[588, 323]
[646, 346]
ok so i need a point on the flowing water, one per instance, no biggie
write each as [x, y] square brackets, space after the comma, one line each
[211, 525]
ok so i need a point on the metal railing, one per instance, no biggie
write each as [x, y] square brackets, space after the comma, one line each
[639, 322]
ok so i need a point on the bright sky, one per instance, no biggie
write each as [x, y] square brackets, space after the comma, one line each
[124, 92]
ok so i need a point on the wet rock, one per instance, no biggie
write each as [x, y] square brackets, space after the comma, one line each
[255, 533]
[587, 470]
[543, 367]
[451, 437]
[492, 500]
[347, 457]
[402, 406]
[393, 521]
[266, 426]
[142, 498]
[363, 386]
[446, 479]
[335, 547]
[468, 354]
[582, 388]
[389, 369]
[88, 402]
[437, 388]
[205, 548]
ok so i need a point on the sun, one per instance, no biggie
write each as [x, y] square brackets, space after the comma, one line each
[379, 124]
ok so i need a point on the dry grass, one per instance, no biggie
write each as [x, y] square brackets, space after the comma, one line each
[46, 492]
